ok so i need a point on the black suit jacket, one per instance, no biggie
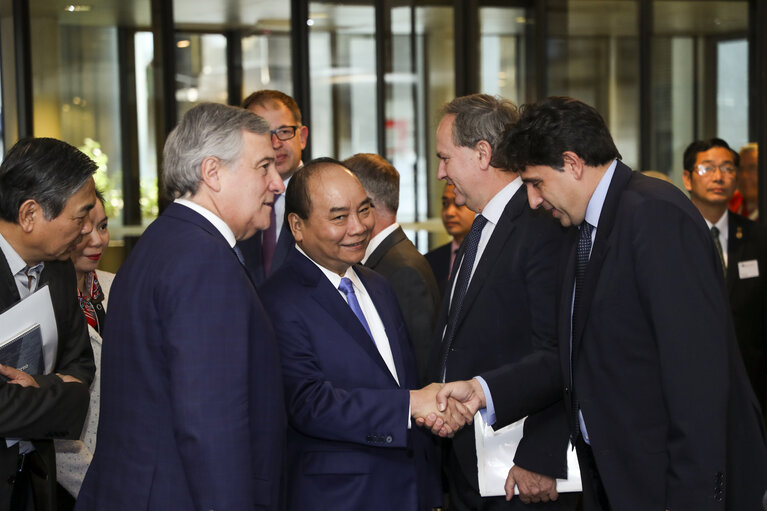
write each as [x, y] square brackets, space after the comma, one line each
[508, 314]
[252, 253]
[397, 259]
[672, 420]
[439, 260]
[56, 409]
[747, 242]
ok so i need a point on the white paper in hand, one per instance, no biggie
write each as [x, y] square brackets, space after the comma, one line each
[495, 456]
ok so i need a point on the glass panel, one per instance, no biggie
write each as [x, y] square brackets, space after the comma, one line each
[266, 63]
[419, 81]
[593, 53]
[146, 123]
[200, 70]
[342, 68]
[699, 76]
[502, 52]
[75, 77]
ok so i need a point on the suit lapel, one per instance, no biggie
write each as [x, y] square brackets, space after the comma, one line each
[566, 298]
[9, 293]
[388, 317]
[734, 251]
[327, 297]
[491, 255]
[284, 244]
[600, 249]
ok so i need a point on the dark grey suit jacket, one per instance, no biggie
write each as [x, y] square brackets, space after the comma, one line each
[508, 314]
[56, 409]
[408, 272]
[747, 244]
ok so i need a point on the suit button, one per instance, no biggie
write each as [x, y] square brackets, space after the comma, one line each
[567, 389]
[389, 439]
[11, 480]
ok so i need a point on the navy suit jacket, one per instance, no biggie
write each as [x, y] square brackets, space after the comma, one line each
[671, 417]
[192, 415]
[349, 446]
[252, 253]
[508, 314]
[55, 409]
[747, 241]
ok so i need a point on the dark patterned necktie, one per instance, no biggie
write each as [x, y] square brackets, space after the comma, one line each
[582, 255]
[718, 244]
[471, 243]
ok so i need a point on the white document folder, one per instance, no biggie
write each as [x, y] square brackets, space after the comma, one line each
[495, 456]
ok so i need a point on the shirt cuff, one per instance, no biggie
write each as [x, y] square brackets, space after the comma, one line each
[488, 413]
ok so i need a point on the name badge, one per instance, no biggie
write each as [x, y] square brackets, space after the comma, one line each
[748, 269]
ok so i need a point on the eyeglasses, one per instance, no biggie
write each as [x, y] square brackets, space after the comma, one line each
[704, 168]
[284, 132]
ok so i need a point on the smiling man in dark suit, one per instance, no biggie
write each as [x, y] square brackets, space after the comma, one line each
[710, 170]
[660, 408]
[505, 308]
[348, 367]
[192, 415]
[46, 193]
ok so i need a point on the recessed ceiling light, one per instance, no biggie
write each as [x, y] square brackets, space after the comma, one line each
[184, 43]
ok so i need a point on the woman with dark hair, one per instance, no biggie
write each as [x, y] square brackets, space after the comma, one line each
[74, 456]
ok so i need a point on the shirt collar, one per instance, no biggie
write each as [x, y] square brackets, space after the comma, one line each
[494, 208]
[15, 262]
[335, 278]
[594, 208]
[722, 224]
[378, 239]
[211, 217]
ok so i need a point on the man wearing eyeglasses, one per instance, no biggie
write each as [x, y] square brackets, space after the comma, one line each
[710, 176]
[266, 251]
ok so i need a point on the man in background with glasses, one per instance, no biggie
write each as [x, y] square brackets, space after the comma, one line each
[266, 251]
[709, 175]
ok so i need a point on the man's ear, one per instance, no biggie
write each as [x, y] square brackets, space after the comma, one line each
[296, 224]
[687, 179]
[303, 136]
[210, 172]
[485, 153]
[573, 164]
[30, 213]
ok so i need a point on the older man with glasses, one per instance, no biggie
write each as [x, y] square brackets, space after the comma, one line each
[709, 175]
[266, 251]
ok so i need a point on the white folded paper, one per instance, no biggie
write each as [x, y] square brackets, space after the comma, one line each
[495, 456]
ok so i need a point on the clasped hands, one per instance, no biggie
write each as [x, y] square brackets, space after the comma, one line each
[18, 377]
[446, 408]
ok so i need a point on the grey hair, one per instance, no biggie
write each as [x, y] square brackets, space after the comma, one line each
[208, 129]
[480, 117]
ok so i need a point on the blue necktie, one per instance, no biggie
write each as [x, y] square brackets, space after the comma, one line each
[347, 288]
[238, 253]
[471, 243]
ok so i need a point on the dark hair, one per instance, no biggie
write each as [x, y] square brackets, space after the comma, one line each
[547, 129]
[701, 146]
[45, 170]
[481, 117]
[263, 97]
[379, 178]
[297, 198]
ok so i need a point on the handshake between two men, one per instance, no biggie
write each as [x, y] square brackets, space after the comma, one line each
[445, 408]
